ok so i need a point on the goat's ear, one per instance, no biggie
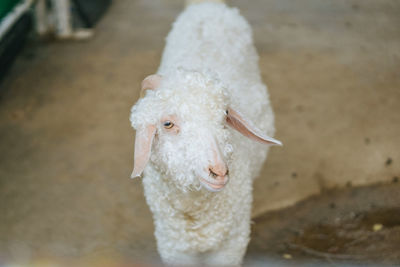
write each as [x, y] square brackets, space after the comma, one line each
[143, 141]
[151, 82]
[237, 122]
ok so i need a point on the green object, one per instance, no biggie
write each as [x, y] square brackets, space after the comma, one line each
[6, 6]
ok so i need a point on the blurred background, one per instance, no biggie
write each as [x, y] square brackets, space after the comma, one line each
[71, 70]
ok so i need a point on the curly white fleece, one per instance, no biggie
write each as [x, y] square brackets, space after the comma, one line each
[209, 63]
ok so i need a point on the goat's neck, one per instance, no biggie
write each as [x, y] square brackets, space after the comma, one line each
[191, 201]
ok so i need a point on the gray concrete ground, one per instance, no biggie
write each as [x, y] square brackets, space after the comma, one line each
[332, 68]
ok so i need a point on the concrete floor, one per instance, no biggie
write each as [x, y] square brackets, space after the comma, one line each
[357, 226]
[332, 68]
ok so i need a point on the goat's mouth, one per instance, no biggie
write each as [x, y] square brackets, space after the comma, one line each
[214, 186]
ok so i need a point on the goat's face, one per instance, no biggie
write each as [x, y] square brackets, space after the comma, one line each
[182, 129]
[192, 150]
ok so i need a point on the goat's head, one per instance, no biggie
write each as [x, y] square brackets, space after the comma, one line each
[180, 124]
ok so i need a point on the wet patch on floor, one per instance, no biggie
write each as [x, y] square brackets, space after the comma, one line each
[351, 225]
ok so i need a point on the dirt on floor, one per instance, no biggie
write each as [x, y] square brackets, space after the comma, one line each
[346, 226]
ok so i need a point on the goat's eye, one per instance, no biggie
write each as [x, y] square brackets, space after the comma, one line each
[168, 125]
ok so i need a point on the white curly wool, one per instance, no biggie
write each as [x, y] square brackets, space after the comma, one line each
[209, 64]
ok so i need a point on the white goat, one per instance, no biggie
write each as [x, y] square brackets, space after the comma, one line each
[208, 73]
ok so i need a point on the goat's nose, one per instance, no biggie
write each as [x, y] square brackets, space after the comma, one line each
[218, 171]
